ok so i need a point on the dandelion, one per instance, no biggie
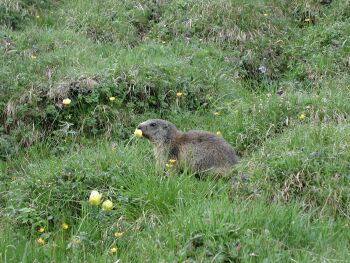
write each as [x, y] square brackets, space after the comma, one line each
[307, 19]
[168, 165]
[118, 234]
[37, 17]
[172, 161]
[112, 98]
[163, 42]
[179, 94]
[265, 14]
[40, 241]
[95, 198]
[114, 250]
[302, 116]
[66, 101]
[216, 113]
[218, 133]
[41, 230]
[65, 226]
[107, 205]
[138, 133]
[33, 57]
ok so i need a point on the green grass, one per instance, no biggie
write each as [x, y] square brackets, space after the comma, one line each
[177, 217]
[286, 201]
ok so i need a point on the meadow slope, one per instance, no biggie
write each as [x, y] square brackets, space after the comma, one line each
[272, 76]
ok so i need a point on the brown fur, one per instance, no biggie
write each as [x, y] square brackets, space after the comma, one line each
[200, 151]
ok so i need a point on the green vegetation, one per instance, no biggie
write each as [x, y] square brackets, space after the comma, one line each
[277, 74]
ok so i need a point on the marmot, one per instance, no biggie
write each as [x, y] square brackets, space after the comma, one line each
[200, 151]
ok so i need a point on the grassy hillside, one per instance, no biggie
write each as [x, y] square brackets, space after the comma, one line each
[272, 76]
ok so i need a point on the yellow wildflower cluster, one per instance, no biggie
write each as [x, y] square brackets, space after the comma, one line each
[95, 200]
[114, 249]
[170, 163]
[40, 241]
[118, 234]
[302, 116]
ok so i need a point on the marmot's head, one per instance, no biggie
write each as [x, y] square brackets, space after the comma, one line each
[158, 131]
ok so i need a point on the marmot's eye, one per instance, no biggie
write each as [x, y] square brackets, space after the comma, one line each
[153, 124]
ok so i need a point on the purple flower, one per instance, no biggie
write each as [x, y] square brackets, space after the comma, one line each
[262, 69]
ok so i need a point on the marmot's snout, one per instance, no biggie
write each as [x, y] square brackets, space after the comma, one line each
[155, 130]
[143, 128]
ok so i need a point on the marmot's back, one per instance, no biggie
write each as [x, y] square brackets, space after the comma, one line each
[205, 151]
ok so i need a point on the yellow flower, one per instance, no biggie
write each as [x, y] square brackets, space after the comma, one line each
[265, 14]
[95, 198]
[107, 205]
[216, 113]
[112, 98]
[307, 19]
[172, 161]
[114, 250]
[40, 241]
[179, 94]
[33, 57]
[302, 116]
[168, 165]
[163, 42]
[138, 133]
[66, 101]
[118, 234]
[41, 230]
[218, 133]
[37, 17]
[65, 226]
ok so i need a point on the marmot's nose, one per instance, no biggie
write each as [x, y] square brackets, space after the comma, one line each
[141, 125]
